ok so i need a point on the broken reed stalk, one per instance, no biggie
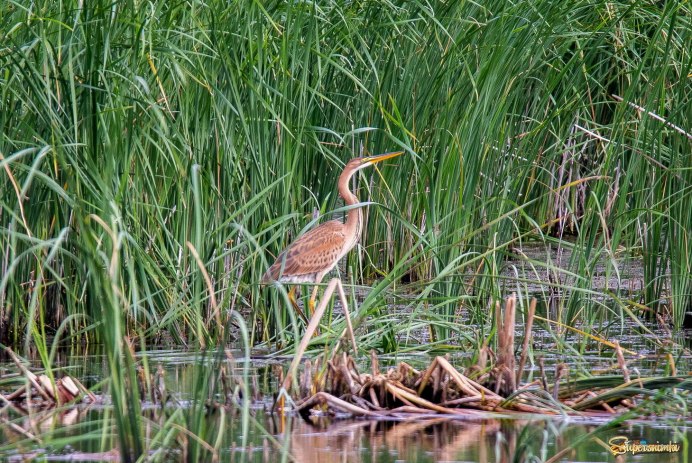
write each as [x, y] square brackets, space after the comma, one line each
[442, 389]
[58, 392]
[504, 371]
[32, 378]
[414, 400]
[322, 397]
[527, 338]
[468, 386]
[561, 371]
[347, 315]
[621, 362]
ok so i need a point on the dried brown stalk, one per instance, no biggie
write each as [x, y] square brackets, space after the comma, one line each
[322, 397]
[621, 362]
[527, 339]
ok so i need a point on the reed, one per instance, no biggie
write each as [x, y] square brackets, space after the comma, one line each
[154, 156]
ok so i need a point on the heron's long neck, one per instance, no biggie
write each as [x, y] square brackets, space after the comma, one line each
[354, 217]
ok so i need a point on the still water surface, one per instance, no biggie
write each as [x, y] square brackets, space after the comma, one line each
[339, 439]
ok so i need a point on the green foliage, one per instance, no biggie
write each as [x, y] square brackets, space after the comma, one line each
[136, 132]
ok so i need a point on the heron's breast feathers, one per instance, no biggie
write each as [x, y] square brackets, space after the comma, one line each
[312, 254]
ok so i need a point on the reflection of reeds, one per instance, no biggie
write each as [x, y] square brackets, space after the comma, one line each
[442, 438]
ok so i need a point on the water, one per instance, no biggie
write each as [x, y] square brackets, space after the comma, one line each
[440, 439]
[77, 432]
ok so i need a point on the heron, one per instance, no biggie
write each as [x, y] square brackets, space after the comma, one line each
[313, 255]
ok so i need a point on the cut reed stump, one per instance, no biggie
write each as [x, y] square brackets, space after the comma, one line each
[39, 391]
[442, 389]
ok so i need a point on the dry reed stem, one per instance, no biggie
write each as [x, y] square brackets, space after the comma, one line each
[423, 382]
[19, 430]
[374, 363]
[33, 379]
[544, 379]
[84, 390]
[671, 362]
[210, 286]
[306, 383]
[410, 397]
[364, 404]
[505, 369]
[20, 200]
[655, 116]
[527, 339]
[467, 385]
[322, 397]
[373, 398]
[310, 330]
[621, 362]
[407, 409]
[561, 370]
[347, 315]
[607, 407]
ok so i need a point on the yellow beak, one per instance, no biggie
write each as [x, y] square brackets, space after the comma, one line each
[382, 157]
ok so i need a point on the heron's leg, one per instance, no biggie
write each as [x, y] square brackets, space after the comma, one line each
[294, 303]
[292, 297]
[311, 307]
[311, 304]
[309, 331]
[281, 399]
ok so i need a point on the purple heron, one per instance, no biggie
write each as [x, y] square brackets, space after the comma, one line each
[309, 258]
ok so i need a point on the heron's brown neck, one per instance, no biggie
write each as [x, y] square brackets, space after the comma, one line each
[354, 217]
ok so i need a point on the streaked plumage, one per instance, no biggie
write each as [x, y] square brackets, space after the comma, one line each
[309, 258]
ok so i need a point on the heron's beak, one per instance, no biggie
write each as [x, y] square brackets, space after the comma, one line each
[381, 157]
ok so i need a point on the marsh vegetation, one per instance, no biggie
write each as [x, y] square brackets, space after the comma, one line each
[156, 156]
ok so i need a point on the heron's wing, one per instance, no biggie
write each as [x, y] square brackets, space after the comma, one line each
[315, 252]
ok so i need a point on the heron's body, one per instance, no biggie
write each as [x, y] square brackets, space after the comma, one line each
[309, 258]
[314, 254]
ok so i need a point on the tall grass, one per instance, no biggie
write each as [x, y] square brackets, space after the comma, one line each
[131, 129]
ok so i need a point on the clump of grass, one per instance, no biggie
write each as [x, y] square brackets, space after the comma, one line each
[225, 126]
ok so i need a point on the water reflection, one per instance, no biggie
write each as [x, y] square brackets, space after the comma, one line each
[452, 440]
[322, 440]
[435, 439]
